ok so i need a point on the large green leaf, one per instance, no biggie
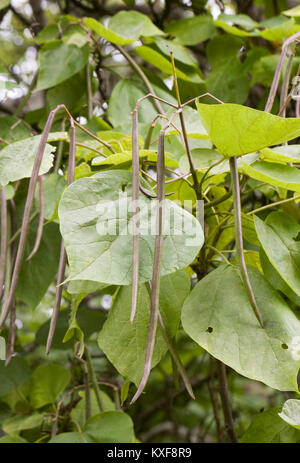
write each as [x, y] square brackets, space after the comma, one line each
[111, 426]
[59, 61]
[291, 412]
[16, 373]
[18, 423]
[106, 33]
[274, 173]
[96, 224]
[268, 428]
[133, 25]
[219, 317]
[277, 237]
[283, 153]
[236, 130]
[124, 343]
[69, 438]
[193, 30]
[78, 413]
[16, 159]
[47, 383]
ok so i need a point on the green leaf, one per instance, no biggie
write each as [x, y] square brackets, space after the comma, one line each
[78, 412]
[14, 374]
[90, 321]
[123, 100]
[47, 383]
[53, 186]
[107, 34]
[295, 12]
[99, 242]
[291, 412]
[277, 237]
[16, 160]
[69, 438]
[12, 440]
[219, 317]
[274, 173]
[2, 348]
[19, 423]
[279, 33]
[288, 153]
[233, 29]
[110, 427]
[236, 130]
[58, 62]
[126, 156]
[133, 25]
[124, 343]
[221, 81]
[190, 31]
[159, 61]
[268, 428]
[241, 20]
[38, 273]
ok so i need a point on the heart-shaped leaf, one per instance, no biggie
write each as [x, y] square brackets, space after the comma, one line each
[236, 130]
[218, 316]
[96, 224]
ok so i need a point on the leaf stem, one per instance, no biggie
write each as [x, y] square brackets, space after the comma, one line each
[92, 375]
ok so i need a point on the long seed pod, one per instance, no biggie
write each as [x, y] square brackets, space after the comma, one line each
[26, 216]
[39, 232]
[12, 333]
[135, 213]
[239, 236]
[154, 305]
[63, 256]
[3, 246]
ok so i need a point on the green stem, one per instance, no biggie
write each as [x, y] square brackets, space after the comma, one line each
[92, 375]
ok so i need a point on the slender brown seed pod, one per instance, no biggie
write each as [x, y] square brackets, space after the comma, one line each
[3, 246]
[154, 304]
[26, 216]
[63, 256]
[12, 334]
[41, 220]
[135, 213]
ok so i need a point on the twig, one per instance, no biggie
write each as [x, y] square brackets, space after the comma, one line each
[3, 247]
[89, 91]
[239, 236]
[226, 405]
[156, 268]
[184, 132]
[277, 203]
[214, 398]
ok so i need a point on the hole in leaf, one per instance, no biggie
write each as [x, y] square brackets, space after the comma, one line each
[284, 346]
[123, 186]
[261, 410]
[209, 329]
